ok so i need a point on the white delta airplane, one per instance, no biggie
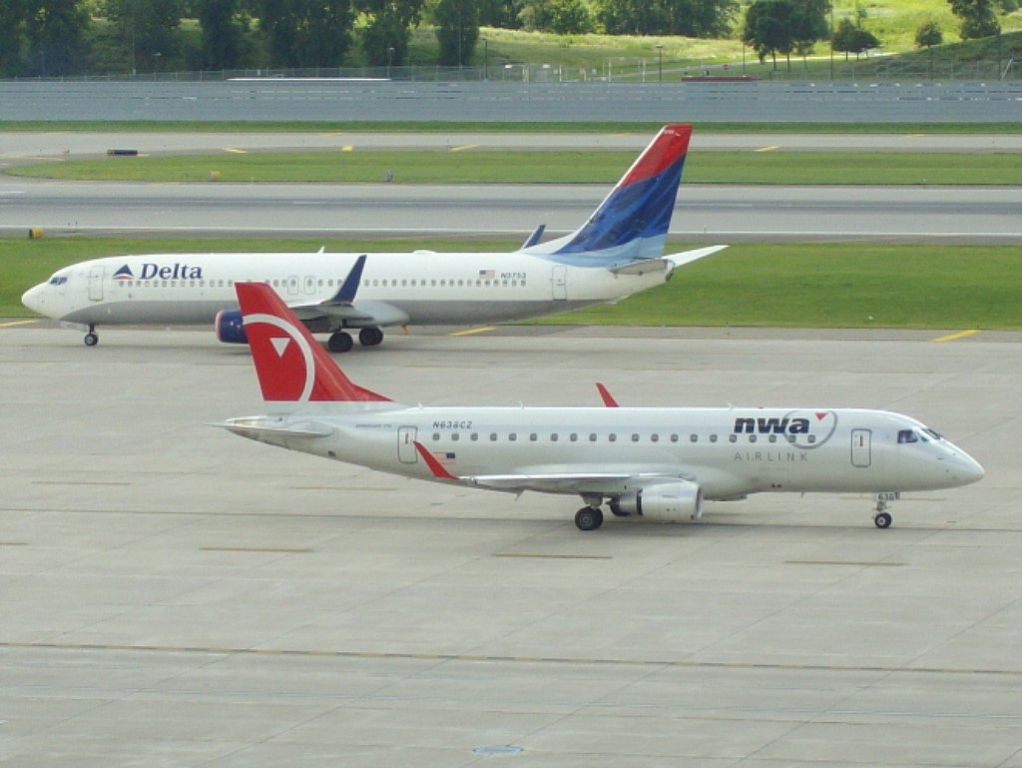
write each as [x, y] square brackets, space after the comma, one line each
[659, 464]
[617, 252]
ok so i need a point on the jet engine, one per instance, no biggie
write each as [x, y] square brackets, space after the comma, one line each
[229, 327]
[663, 503]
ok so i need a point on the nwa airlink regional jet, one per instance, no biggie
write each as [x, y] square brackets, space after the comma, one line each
[656, 463]
[617, 252]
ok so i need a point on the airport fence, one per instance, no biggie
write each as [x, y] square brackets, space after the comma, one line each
[917, 67]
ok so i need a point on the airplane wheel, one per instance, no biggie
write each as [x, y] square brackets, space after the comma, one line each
[883, 520]
[616, 509]
[340, 342]
[91, 339]
[370, 337]
[588, 519]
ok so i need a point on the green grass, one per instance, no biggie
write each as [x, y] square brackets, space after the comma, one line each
[544, 166]
[751, 284]
[831, 286]
[431, 126]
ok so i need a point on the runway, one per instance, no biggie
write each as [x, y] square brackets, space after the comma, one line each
[174, 595]
[726, 213]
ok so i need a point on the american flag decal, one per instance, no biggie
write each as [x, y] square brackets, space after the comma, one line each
[444, 457]
[487, 274]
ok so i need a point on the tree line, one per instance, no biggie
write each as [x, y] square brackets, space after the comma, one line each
[67, 37]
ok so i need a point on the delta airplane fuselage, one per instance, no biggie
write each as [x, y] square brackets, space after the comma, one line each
[395, 288]
[617, 251]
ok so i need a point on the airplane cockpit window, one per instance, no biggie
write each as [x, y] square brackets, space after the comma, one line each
[58, 280]
[932, 433]
[917, 436]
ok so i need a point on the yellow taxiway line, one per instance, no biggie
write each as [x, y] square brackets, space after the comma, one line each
[17, 322]
[471, 331]
[463, 147]
[769, 148]
[956, 336]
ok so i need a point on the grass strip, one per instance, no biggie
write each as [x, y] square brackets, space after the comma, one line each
[425, 126]
[532, 167]
[751, 284]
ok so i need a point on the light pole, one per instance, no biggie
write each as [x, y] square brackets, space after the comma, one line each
[486, 59]
[390, 58]
[660, 62]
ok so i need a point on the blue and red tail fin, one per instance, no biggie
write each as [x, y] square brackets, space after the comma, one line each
[632, 222]
[291, 365]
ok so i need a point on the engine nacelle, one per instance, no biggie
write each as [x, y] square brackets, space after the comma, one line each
[665, 502]
[229, 327]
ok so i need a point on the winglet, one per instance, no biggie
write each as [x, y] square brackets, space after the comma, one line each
[534, 238]
[438, 470]
[608, 399]
[346, 293]
[292, 367]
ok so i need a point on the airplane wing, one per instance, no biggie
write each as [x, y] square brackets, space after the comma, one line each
[606, 483]
[340, 309]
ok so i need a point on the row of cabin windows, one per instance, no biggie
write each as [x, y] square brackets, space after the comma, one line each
[593, 437]
[413, 283]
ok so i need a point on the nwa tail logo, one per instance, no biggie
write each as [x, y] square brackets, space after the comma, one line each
[803, 429]
[124, 273]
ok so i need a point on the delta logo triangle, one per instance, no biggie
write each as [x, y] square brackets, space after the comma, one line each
[124, 273]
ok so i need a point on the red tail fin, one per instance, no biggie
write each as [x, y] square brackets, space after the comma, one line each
[290, 363]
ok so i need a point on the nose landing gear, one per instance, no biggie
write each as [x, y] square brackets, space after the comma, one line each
[91, 339]
[881, 517]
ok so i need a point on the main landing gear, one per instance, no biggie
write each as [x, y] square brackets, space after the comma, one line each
[91, 339]
[588, 518]
[341, 341]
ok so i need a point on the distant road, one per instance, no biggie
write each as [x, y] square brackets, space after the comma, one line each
[705, 212]
[21, 146]
[289, 100]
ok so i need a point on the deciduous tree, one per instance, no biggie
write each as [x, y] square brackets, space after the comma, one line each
[770, 27]
[978, 18]
[457, 30]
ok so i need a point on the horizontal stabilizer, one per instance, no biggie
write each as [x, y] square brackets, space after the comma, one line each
[260, 426]
[687, 257]
[642, 267]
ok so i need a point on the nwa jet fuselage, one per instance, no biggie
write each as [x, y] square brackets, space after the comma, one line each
[657, 463]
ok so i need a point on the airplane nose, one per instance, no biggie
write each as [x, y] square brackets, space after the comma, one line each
[972, 471]
[33, 299]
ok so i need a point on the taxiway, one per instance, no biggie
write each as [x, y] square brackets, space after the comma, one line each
[173, 595]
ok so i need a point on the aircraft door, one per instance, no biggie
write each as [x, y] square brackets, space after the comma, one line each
[292, 285]
[560, 283]
[861, 449]
[406, 452]
[96, 284]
